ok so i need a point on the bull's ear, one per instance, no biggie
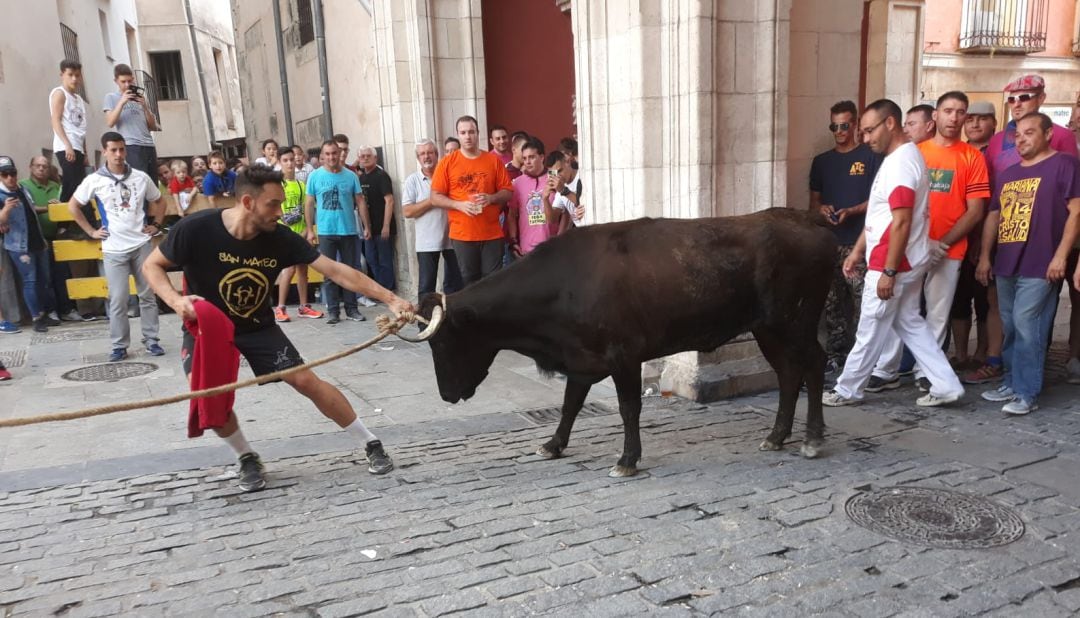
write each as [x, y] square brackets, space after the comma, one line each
[464, 316]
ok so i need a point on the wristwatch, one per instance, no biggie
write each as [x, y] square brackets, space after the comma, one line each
[564, 191]
[889, 272]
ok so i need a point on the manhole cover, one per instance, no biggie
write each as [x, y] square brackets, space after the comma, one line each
[935, 517]
[109, 372]
[545, 416]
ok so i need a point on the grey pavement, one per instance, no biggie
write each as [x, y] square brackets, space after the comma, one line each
[471, 521]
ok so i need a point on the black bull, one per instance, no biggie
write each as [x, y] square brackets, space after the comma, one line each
[601, 300]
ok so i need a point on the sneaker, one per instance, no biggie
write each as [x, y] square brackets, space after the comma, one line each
[876, 384]
[117, 355]
[1019, 407]
[72, 316]
[251, 472]
[1001, 393]
[155, 349]
[834, 399]
[354, 315]
[8, 328]
[5, 375]
[333, 319]
[378, 461]
[923, 384]
[280, 315]
[40, 326]
[930, 400]
[51, 319]
[134, 312]
[983, 375]
[365, 301]
[305, 311]
[1072, 368]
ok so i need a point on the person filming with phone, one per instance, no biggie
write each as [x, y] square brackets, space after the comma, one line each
[128, 113]
[532, 217]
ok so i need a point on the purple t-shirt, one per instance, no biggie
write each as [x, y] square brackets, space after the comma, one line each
[1001, 152]
[1033, 202]
[527, 202]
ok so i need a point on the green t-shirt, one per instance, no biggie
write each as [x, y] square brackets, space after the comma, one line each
[41, 196]
[292, 209]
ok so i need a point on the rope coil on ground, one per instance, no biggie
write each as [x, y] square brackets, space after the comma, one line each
[386, 324]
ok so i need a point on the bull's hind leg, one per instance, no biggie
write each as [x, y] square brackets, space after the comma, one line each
[628, 386]
[778, 352]
[815, 387]
[573, 399]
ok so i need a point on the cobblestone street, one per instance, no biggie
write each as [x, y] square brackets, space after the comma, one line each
[476, 523]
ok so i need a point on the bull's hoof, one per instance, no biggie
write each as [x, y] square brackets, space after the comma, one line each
[618, 471]
[810, 451]
[769, 445]
[547, 453]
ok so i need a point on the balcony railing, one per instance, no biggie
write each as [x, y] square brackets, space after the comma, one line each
[1004, 26]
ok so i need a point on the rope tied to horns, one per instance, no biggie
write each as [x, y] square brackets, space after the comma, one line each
[387, 325]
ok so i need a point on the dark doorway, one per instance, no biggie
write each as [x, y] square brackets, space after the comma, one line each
[529, 67]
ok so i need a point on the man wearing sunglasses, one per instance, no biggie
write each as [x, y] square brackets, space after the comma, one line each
[839, 187]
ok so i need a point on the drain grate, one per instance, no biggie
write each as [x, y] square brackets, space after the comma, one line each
[13, 358]
[546, 416]
[71, 334]
[109, 372]
[935, 517]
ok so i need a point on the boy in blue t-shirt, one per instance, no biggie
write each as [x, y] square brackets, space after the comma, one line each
[219, 182]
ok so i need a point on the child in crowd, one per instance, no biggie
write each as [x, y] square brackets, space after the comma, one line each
[219, 181]
[292, 216]
[182, 186]
[269, 156]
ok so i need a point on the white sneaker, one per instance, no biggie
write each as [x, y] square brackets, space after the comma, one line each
[1019, 407]
[834, 399]
[365, 301]
[1073, 369]
[999, 394]
[930, 400]
[72, 316]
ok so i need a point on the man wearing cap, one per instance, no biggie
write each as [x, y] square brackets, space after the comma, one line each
[1024, 95]
[979, 127]
[24, 243]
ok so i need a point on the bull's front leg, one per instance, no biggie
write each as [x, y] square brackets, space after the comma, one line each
[573, 399]
[628, 387]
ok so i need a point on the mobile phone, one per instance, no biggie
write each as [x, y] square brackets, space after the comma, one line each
[553, 174]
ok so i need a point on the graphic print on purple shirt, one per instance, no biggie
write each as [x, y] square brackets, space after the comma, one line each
[1033, 202]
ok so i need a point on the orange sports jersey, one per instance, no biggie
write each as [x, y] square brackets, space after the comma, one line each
[957, 173]
[459, 178]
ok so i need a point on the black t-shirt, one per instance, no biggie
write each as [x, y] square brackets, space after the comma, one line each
[237, 276]
[844, 179]
[376, 186]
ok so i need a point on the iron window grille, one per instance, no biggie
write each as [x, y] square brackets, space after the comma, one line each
[305, 22]
[150, 91]
[71, 51]
[168, 73]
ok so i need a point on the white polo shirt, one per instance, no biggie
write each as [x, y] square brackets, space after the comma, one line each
[120, 200]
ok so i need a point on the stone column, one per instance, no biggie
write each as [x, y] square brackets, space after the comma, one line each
[894, 51]
[430, 59]
[682, 112]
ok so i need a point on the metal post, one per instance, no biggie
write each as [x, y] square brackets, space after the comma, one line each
[324, 76]
[283, 74]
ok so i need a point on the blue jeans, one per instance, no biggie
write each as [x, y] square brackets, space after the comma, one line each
[1027, 311]
[33, 269]
[342, 249]
[428, 262]
[379, 253]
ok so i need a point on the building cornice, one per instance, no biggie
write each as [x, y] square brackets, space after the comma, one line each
[998, 62]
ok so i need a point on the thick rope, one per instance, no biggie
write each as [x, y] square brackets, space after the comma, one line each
[386, 324]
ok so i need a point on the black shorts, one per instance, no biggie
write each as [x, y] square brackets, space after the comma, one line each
[267, 350]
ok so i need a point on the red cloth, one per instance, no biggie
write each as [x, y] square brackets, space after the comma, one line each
[215, 361]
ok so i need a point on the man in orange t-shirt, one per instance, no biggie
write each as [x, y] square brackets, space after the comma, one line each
[473, 186]
[959, 189]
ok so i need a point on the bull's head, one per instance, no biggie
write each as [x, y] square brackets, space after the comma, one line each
[459, 349]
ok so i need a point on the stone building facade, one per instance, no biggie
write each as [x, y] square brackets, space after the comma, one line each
[690, 109]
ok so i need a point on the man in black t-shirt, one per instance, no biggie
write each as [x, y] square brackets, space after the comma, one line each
[840, 181]
[379, 193]
[231, 259]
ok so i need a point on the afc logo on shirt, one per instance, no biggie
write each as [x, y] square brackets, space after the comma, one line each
[858, 168]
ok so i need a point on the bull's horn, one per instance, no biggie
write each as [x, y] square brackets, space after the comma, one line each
[432, 327]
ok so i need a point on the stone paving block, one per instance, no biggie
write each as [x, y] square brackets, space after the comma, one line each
[353, 607]
[568, 575]
[460, 601]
